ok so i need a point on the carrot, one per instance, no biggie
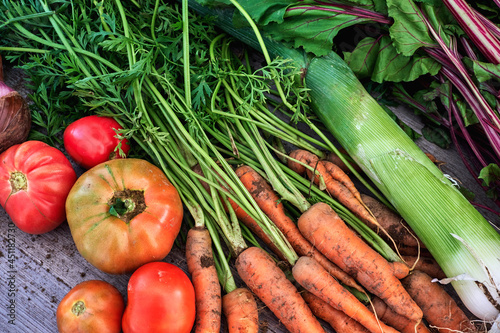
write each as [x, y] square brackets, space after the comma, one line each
[402, 324]
[399, 269]
[390, 221]
[244, 218]
[325, 168]
[200, 263]
[269, 203]
[338, 174]
[337, 319]
[251, 224]
[260, 273]
[331, 236]
[425, 264]
[240, 308]
[338, 184]
[334, 158]
[413, 251]
[315, 279]
[439, 308]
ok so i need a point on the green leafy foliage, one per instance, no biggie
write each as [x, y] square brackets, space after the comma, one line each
[491, 176]
[408, 32]
[437, 135]
[310, 28]
[263, 12]
[378, 59]
[483, 71]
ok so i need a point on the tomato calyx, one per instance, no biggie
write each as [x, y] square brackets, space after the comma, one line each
[78, 308]
[127, 204]
[18, 182]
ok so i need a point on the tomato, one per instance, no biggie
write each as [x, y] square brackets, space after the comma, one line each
[35, 179]
[122, 214]
[160, 299]
[92, 140]
[91, 306]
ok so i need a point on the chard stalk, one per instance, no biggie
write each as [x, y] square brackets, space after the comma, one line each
[475, 28]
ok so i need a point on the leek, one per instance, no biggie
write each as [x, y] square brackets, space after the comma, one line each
[462, 241]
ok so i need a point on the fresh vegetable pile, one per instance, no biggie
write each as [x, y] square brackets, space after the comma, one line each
[439, 57]
[178, 115]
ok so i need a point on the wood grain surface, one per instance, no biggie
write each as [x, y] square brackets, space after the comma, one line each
[36, 271]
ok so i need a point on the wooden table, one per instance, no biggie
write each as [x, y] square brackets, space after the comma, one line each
[47, 266]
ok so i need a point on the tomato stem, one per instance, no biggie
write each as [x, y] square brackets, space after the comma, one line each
[127, 204]
[78, 308]
[18, 182]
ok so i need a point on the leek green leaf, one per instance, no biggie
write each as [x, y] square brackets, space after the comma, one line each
[407, 129]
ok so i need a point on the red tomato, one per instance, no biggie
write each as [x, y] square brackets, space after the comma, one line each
[160, 299]
[92, 140]
[35, 180]
[91, 306]
[124, 213]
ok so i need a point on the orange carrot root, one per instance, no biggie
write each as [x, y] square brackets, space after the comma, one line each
[332, 157]
[337, 319]
[336, 173]
[440, 310]
[338, 184]
[201, 266]
[390, 221]
[313, 277]
[402, 324]
[331, 236]
[240, 308]
[400, 270]
[251, 224]
[260, 273]
[246, 219]
[426, 265]
[269, 203]
[413, 251]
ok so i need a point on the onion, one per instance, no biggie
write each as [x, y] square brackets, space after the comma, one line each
[15, 117]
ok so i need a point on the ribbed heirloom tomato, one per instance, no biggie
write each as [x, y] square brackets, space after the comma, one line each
[122, 214]
[35, 179]
[91, 306]
[160, 299]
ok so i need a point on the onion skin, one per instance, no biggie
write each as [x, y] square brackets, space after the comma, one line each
[15, 116]
[15, 120]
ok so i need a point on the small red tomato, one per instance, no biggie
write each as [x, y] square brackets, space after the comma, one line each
[92, 140]
[35, 180]
[160, 299]
[91, 306]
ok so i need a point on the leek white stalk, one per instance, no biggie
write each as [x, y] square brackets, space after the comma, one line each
[463, 242]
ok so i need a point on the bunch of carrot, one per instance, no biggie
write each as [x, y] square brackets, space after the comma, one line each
[358, 279]
[393, 305]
